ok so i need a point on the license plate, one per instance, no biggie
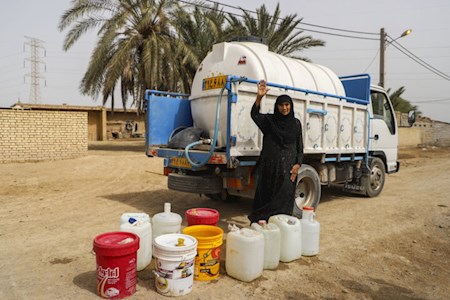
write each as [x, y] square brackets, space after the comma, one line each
[211, 83]
[180, 162]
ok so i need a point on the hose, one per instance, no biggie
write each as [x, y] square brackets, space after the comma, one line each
[214, 141]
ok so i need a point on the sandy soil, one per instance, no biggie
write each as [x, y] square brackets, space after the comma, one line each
[395, 246]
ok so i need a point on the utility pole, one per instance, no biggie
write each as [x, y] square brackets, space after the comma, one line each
[383, 44]
[35, 75]
[382, 50]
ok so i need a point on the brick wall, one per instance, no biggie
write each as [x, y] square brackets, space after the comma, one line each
[441, 134]
[424, 132]
[33, 135]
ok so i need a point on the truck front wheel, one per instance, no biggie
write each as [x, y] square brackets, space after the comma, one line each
[374, 181]
[308, 190]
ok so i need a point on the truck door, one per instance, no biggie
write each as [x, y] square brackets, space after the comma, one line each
[383, 129]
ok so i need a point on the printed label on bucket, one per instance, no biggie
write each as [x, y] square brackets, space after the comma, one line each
[207, 263]
[111, 283]
[174, 278]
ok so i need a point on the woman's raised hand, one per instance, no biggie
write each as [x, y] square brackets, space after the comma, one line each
[262, 89]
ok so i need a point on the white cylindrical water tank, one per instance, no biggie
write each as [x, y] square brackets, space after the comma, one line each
[254, 61]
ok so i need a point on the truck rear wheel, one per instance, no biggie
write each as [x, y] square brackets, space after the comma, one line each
[374, 181]
[308, 190]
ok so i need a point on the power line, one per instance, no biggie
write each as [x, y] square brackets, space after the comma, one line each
[423, 64]
[298, 28]
[304, 23]
[373, 59]
[432, 101]
[418, 59]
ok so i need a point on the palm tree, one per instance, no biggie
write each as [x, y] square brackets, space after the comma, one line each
[399, 103]
[200, 28]
[136, 46]
[279, 32]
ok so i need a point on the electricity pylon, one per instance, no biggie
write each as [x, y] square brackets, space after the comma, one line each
[35, 75]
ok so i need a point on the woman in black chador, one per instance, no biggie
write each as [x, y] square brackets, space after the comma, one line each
[280, 159]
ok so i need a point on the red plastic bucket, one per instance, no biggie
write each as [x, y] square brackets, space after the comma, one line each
[116, 264]
[202, 216]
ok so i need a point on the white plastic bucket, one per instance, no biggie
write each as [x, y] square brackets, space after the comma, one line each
[174, 261]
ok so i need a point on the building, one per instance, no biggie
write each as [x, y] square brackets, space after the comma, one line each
[103, 123]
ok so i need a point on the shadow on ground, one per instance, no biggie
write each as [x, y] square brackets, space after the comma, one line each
[86, 281]
[152, 202]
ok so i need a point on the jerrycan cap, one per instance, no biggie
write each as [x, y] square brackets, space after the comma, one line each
[308, 208]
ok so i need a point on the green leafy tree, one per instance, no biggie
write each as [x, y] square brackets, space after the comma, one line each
[159, 44]
[281, 33]
[199, 28]
[136, 46]
[400, 104]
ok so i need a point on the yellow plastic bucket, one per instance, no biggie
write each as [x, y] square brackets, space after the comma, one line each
[207, 261]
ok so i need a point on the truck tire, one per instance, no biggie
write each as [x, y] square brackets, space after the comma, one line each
[373, 182]
[195, 184]
[308, 190]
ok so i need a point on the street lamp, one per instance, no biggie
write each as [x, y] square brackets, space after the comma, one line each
[383, 43]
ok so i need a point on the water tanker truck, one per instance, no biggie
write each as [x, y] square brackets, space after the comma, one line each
[210, 144]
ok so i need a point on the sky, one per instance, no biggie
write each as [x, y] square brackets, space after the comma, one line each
[62, 71]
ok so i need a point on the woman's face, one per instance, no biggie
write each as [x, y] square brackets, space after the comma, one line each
[284, 108]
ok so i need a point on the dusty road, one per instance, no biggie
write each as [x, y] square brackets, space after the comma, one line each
[396, 246]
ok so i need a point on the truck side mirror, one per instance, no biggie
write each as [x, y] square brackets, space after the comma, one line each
[411, 117]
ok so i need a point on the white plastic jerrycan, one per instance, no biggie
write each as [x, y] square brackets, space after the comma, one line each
[244, 253]
[139, 224]
[166, 222]
[291, 236]
[272, 243]
[135, 215]
[310, 232]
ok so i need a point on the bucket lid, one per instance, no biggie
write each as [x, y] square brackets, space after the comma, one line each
[117, 243]
[175, 242]
[308, 208]
[207, 215]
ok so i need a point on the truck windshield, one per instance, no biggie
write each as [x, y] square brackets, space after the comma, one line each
[382, 109]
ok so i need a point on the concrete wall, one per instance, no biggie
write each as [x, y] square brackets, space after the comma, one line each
[409, 137]
[33, 135]
[424, 132]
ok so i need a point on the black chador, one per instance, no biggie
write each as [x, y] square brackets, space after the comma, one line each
[282, 148]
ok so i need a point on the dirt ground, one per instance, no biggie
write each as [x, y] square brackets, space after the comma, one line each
[395, 246]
